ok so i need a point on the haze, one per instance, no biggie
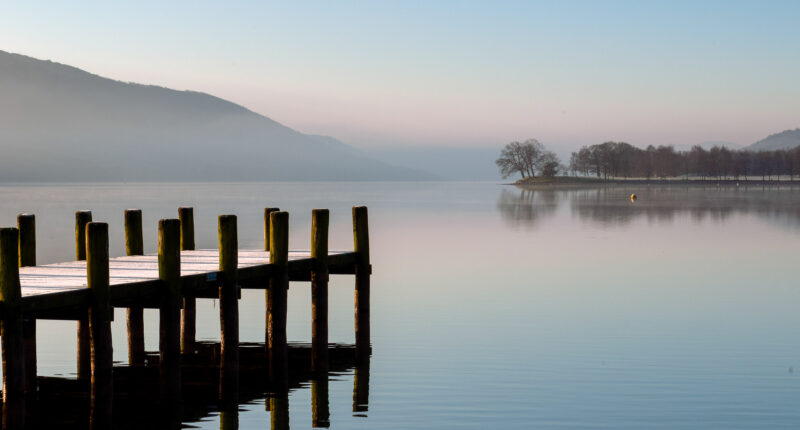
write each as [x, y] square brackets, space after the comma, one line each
[465, 74]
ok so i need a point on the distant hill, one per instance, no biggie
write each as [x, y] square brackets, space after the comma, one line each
[60, 123]
[787, 139]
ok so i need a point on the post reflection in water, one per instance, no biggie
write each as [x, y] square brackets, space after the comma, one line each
[279, 411]
[206, 392]
[320, 408]
[611, 206]
[228, 400]
[361, 389]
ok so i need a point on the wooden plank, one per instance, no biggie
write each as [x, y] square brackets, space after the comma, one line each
[135, 278]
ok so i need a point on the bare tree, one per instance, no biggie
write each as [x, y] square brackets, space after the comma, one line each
[520, 158]
[548, 164]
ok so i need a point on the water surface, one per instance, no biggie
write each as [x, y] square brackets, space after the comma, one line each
[495, 307]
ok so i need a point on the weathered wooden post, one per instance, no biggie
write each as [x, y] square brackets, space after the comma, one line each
[134, 245]
[363, 271]
[278, 289]
[267, 235]
[267, 226]
[26, 223]
[84, 360]
[229, 309]
[99, 317]
[27, 239]
[169, 339]
[320, 409]
[11, 332]
[319, 291]
[189, 314]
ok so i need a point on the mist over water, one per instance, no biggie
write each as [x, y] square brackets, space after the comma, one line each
[497, 307]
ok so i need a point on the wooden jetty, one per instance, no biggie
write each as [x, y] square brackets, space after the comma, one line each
[87, 290]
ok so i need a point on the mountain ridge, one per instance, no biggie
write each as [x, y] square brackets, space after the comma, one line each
[62, 123]
[786, 139]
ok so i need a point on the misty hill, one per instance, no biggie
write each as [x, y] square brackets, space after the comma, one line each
[60, 123]
[786, 139]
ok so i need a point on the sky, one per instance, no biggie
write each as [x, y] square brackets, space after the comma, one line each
[450, 73]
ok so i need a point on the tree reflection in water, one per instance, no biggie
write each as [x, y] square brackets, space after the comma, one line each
[526, 207]
[611, 205]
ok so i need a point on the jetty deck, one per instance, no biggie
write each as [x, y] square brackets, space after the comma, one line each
[52, 287]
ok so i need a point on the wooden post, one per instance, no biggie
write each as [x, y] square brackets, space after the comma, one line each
[320, 408]
[267, 226]
[134, 245]
[229, 309]
[84, 360]
[27, 257]
[99, 316]
[267, 235]
[363, 271]
[278, 289]
[189, 315]
[11, 332]
[81, 219]
[27, 239]
[169, 339]
[319, 291]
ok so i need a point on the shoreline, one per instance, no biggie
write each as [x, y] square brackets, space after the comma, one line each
[565, 181]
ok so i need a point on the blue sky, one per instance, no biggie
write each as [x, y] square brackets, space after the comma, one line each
[452, 73]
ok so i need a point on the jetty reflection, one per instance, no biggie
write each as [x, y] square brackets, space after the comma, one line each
[611, 206]
[136, 394]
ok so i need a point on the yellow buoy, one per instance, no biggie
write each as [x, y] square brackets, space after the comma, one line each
[633, 197]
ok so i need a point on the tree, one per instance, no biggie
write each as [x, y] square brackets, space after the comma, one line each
[548, 164]
[520, 158]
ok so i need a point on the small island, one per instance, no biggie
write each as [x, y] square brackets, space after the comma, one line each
[615, 163]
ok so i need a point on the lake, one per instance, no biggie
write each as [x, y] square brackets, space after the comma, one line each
[496, 307]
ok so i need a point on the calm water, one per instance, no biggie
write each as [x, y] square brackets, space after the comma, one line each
[494, 307]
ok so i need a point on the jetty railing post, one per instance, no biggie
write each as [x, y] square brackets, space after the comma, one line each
[268, 226]
[229, 310]
[189, 314]
[267, 234]
[134, 245]
[169, 269]
[99, 316]
[26, 223]
[319, 291]
[84, 364]
[11, 332]
[363, 270]
[278, 289]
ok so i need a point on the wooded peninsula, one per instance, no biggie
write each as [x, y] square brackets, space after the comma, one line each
[620, 161]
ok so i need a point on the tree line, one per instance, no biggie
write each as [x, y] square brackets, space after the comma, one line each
[623, 160]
